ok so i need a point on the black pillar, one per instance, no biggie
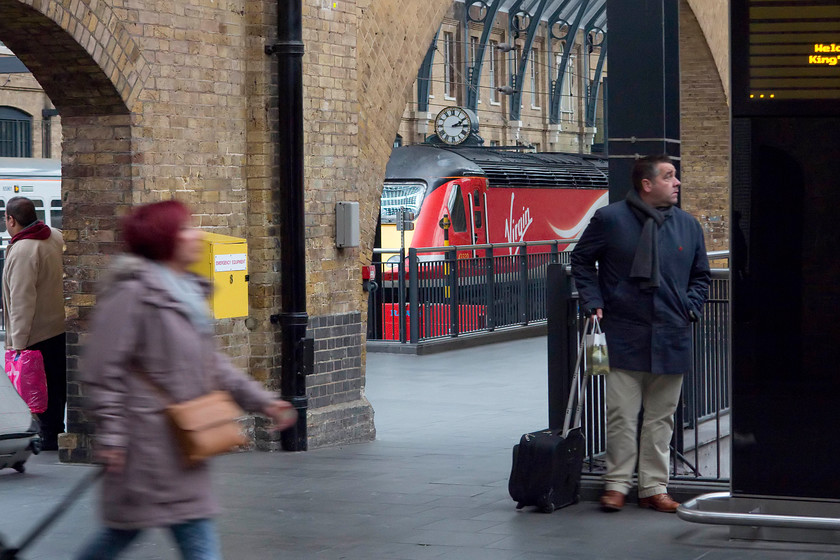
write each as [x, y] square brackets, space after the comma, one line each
[562, 341]
[644, 94]
[785, 235]
[297, 350]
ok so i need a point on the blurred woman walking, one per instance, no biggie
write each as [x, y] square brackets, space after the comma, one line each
[152, 333]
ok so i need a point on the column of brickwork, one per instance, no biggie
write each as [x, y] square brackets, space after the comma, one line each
[188, 129]
[361, 58]
[337, 409]
[192, 122]
[705, 134]
[713, 18]
[97, 159]
[263, 199]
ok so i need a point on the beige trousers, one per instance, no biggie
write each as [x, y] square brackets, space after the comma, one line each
[627, 393]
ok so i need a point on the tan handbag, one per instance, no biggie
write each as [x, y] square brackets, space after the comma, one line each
[206, 426]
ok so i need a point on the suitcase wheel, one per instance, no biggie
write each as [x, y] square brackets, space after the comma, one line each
[548, 508]
[19, 467]
[546, 504]
[519, 505]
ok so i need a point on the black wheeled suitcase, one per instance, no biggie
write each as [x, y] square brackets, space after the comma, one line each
[547, 464]
[546, 469]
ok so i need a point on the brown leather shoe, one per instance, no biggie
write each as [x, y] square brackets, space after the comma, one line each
[612, 500]
[659, 502]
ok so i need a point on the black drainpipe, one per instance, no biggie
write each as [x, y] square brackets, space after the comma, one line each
[297, 350]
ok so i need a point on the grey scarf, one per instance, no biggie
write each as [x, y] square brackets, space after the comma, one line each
[645, 265]
[184, 289]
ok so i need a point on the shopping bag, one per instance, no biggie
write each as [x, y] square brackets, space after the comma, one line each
[26, 372]
[597, 359]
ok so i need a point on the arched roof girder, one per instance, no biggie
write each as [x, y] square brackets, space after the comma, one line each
[555, 95]
[424, 76]
[593, 83]
[574, 15]
[515, 107]
[474, 67]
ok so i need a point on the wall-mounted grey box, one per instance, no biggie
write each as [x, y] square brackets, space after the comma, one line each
[346, 224]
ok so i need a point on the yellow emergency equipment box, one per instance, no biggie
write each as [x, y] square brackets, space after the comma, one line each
[224, 261]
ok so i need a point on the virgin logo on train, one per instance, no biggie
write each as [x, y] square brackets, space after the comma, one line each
[490, 195]
[515, 231]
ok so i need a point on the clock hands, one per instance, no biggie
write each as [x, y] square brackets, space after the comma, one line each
[454, 125]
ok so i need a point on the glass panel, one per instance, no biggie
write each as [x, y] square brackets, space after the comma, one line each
[39, 209]
[55, 213]
[493, 78]
[457, 210]
[15, 138]
[395, 195]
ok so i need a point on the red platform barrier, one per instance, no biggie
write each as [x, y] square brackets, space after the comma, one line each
[470, 318]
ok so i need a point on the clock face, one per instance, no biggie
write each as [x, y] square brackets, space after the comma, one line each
[452, 125]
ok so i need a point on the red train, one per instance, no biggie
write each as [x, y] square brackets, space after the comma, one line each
[491, 195]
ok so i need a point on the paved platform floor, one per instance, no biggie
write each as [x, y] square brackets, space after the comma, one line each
[432, 486]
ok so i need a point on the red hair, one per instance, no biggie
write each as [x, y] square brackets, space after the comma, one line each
[150, 230]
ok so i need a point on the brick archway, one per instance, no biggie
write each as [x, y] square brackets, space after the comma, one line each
[389, 57]
[361, 59]
[80, 53]
[704, 116]
[93, 73]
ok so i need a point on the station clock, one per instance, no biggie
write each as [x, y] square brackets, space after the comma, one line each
[454, 124]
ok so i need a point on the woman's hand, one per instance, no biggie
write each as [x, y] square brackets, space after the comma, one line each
[282, 413]
[113, 458]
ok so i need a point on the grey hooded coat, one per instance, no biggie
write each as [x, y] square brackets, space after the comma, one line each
[139, 325]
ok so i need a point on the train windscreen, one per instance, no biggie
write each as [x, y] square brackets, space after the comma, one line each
[401, 195]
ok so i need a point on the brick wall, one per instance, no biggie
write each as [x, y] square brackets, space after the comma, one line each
[705, 134]
[97, 162]
[177, 99]
[336, 389]
[713, 18]
[162, 100]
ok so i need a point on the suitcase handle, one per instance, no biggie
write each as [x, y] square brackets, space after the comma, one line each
[57, 511]
[575, 389]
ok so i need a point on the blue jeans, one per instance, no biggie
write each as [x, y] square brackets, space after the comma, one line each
[196, 539]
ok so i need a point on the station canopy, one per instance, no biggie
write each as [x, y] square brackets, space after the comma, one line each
[557, 12]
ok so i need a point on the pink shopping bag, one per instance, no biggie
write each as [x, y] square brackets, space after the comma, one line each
[26, 371]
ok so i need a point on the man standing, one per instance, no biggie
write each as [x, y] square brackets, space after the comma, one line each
[651, 282]
[33, 294]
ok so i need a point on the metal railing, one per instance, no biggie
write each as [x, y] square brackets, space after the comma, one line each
[449, 291]
[701, 447]
[440, 292]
